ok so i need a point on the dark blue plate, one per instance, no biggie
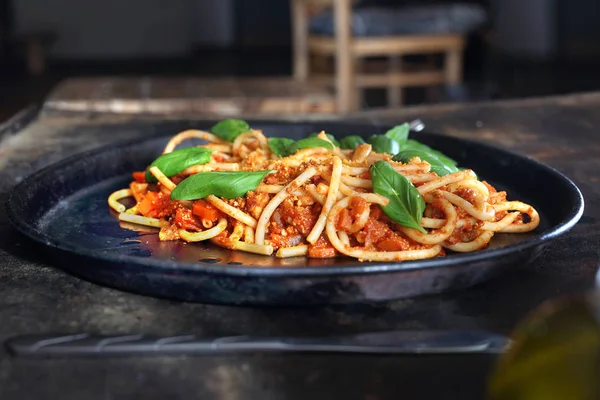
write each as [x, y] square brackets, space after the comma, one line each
[64, 208]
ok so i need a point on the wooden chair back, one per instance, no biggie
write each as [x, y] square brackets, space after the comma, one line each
[349, 50]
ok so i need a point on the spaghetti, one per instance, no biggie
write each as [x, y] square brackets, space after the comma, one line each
[314, 198]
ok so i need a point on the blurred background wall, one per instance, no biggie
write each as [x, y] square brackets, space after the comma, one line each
[532, 47]
[109, 28]
[152, 28]
[161, 28]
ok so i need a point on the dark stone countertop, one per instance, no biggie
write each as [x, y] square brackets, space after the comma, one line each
[37, 298]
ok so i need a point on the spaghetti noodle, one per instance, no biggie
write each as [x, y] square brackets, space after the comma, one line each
[316, 199]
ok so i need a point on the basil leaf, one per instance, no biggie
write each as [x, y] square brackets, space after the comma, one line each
[229, 129]
[311, 142]
[351, 142]
[228, 184]
[383, 144]
[283, 147]
[406, 205]
[329, 136]
[173, 163]
[399, 133]
[412, 144]
[438, 166]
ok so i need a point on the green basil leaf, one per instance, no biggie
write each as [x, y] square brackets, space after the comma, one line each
[229, 129]
[438, 166]
[351, 142]
[399, 133]
[383, 144]
[283, 147]
[329, 136]
[173, 163]
[412, 144]
[406, 205]
[228, 184]
[311, 142]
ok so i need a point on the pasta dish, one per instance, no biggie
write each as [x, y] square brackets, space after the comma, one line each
[387, 198]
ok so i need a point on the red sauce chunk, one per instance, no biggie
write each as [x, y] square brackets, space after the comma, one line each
[322, 249]
[491, 189]
[156, 205]
[375, 231]
[139, 177]
[186, 220]
[256, 202]
[284, 237]
[206, 211]
[376, 212]
[283, 173]
[303, 218]
[467, 233]
[347, 216]
[499, 215]
[358, 205]
[469, 195]
[344, 221]
[394, 242]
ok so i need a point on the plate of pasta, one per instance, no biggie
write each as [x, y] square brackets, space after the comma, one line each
[270, 213]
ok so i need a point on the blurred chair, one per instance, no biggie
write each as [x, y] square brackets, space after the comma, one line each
[352, 34]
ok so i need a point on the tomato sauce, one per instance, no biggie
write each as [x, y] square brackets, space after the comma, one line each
[322, 248]
[466, 233]
[468, 194]
[285, 237]
[256, 203]
[186, 220]
[295, 218]
[206, 211]
[344, 222]
[303, 218]
[139, 176]
[156, 205]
